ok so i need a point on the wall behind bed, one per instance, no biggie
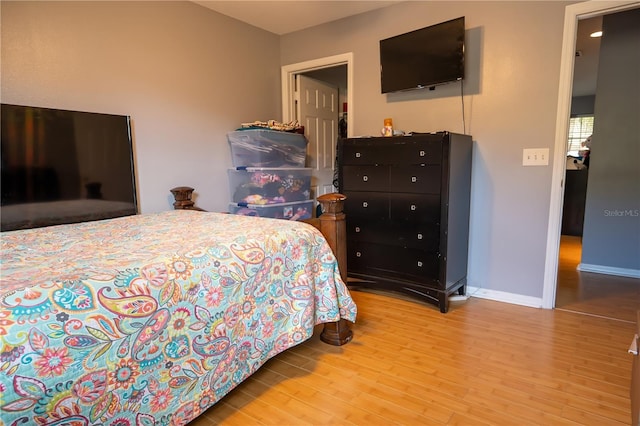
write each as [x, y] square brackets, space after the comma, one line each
[185, 74]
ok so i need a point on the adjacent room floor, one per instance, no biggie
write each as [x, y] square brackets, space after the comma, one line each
[609, 296]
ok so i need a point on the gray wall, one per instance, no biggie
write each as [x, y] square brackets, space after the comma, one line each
[185, 74]
[513, 51]
[611, 236]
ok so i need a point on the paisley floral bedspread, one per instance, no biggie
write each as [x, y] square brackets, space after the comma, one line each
[151, 319]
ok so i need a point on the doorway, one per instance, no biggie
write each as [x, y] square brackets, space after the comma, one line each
[336, 70]
[288, 73]
[573, 14]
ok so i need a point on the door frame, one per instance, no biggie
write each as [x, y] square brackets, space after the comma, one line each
[573, 13]
[288, 75]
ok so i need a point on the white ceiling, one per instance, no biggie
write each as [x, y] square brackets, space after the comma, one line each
[283, 17]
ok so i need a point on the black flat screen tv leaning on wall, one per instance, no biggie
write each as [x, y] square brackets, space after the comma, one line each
[423, 58]
[61, 166]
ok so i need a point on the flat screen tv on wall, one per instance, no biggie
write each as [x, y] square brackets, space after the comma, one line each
[61, 166]
[423, 58]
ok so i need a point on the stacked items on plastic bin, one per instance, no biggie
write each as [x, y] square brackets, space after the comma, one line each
[269, 178]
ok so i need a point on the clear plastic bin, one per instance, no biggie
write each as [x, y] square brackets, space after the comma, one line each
[288, 211]
[256, 185]
[267, 148]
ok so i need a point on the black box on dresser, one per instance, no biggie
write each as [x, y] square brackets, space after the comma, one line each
[407, 208]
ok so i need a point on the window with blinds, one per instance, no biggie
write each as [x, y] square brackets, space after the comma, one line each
[580, 128]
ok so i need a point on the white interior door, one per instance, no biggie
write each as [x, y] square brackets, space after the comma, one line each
[317, 111]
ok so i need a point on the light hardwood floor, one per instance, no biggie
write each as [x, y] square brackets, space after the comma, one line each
[594, 294]
[482, 363]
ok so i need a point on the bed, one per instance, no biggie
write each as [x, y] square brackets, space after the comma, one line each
[151, 319]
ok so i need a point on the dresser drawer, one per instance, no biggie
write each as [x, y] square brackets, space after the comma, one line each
[364, 151]
[410, 151]
[396, 150]
[418, 265]
[415, 208]
[393, 262]
[415, 179]
[371, 205]
[365, 178]
[426, 237]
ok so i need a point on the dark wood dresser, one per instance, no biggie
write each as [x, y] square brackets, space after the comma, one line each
[575, 197]
[407, 211]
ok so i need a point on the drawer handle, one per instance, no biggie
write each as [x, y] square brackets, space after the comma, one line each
[358, 254]
[413, 207]
[357, 155]
[414, 179]
[365, 204]
[419, 236]
[365, 178]
[357, 229]
[422, 153]
[419, 264]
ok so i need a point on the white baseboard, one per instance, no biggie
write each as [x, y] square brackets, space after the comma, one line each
[501, 296]
[609, 270]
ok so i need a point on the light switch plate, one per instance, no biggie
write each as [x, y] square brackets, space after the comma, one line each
[535, 157]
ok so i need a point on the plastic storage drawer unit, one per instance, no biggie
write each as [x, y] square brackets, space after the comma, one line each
[289, 211]
[269, 185]
[267, 148]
